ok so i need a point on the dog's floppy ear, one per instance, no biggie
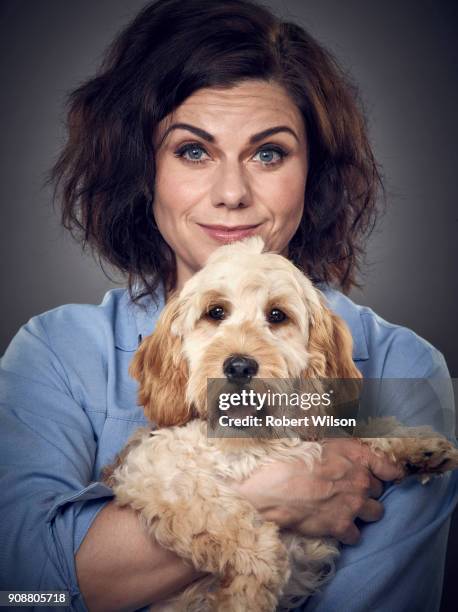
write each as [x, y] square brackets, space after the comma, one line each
[330, 347]
[162, 372]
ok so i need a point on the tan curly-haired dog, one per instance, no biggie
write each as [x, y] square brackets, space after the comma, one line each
[246, 314]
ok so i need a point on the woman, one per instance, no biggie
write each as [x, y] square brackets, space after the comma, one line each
[207, 121]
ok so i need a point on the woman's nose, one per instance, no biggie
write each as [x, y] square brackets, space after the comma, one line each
[230, 186]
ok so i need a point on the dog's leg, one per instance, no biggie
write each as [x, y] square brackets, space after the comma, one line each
[220, 533]
[234, 544]
[420, 450]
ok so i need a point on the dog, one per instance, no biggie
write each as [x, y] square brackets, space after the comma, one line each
[248, 315]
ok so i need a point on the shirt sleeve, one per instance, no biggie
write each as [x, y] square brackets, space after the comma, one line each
[47, 452]
[398, 564]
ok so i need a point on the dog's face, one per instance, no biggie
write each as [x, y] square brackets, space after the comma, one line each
[246, 315]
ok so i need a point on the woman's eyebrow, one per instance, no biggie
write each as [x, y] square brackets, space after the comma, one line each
[190, 128]
[209, 138]
[270, 131]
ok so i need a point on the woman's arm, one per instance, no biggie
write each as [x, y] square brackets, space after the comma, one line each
[58, 529]
[120, 568]
[398, 564]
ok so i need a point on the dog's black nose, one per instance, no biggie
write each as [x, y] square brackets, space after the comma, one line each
[240, 368]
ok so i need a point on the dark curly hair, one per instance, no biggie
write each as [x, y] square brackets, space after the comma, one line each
[104, 177]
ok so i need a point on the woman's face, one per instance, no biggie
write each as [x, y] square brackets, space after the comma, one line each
[229, 163]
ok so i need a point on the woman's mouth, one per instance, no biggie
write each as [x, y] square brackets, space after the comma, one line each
[224, 233]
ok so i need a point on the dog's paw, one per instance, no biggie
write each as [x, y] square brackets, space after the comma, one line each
[430, 456]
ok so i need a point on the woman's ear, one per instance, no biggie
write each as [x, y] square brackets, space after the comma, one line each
[162, 372]
[330, 347]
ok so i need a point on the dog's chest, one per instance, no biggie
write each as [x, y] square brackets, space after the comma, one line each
[231, 459]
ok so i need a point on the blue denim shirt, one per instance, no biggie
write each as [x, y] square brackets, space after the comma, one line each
[68, 405]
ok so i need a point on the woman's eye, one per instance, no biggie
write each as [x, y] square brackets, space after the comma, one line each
[216, 313]
[270, 156]
[276, 316]
[192, 152]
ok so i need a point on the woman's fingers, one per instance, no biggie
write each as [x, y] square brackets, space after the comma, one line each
[376, 487]
[381, 466]
[351, 536]
[344, 528]
[371, 511]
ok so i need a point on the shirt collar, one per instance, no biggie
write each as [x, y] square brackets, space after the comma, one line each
[136, 320]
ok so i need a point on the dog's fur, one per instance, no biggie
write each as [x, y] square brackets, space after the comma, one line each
[177, 477]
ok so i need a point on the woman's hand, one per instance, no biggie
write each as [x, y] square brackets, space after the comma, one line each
[326, 500]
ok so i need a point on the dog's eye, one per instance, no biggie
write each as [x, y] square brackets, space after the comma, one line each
[216, 313]
[276, 316]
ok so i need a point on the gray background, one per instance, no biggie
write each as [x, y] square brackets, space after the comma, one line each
[402, 54]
